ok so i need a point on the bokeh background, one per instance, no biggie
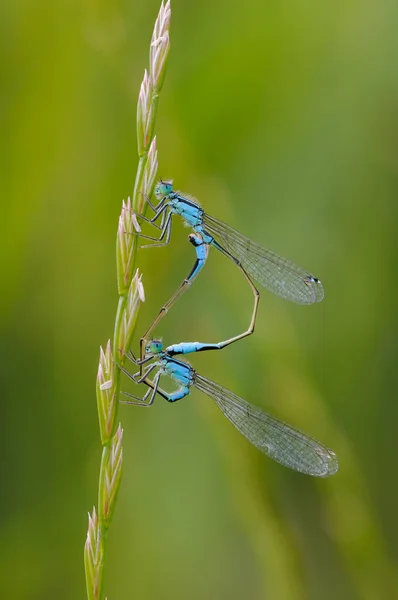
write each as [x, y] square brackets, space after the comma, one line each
[282, 118]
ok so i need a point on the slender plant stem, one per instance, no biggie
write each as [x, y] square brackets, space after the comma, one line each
[131, 294]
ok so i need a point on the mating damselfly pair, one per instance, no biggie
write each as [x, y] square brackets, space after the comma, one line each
[278, 440]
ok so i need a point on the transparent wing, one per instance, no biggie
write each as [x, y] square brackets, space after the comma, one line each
[277, 274]
[285, 444]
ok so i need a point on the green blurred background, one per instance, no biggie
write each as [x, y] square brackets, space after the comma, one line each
[282, 119]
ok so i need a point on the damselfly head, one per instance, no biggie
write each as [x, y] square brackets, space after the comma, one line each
[163, 188]
[154, 347]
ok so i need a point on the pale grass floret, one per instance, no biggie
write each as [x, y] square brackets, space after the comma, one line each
[136, 225]
[135, 296]
[93, 557]
[106, 393]
[159, 52]
[150, 172]
[107, 385]
[144, 120]
[128, 223]
[140, 289]
[160, 46]
[125, 246]
[111, 473]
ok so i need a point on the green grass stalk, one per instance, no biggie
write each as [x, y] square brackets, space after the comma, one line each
[131, 294]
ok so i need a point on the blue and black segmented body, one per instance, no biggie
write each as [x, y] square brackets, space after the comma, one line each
[273, 437]
[277, 274]
[189, 347]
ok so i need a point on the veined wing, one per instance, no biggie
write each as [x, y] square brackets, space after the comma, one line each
[285, 444]
[279, 275]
